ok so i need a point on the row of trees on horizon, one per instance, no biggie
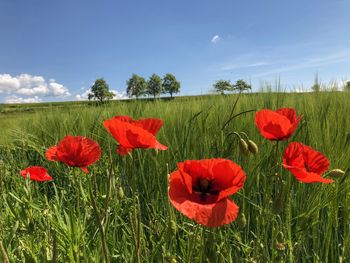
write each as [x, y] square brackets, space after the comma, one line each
[138, 86]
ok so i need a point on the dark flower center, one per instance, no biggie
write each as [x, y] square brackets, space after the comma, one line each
[308, 169]
[204, 187]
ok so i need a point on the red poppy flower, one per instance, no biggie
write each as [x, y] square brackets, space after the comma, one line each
[200, 189]
[132, 134]
[76, 151]
[277, 125]
[36, 173]
[306, 164]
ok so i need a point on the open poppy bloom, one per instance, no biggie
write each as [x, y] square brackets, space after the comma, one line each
[277, 125]
[76, 151]
[306, 164]
[36, 173]
[132, 134]
[201, 190]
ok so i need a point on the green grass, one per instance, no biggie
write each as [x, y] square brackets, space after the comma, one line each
[38, 222]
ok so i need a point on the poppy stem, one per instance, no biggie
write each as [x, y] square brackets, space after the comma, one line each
[5, 258]
[93, 191]
[276, 153]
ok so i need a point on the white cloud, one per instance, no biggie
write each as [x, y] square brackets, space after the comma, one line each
[215, 39]
[16, 100]
[118, 95]
[28, 85]
[83, 96]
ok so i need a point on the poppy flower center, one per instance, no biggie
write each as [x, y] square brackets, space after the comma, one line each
[204, 187]
[308, 169]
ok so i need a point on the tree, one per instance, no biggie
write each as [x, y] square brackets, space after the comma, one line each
[170, 84]
[221, 86]
[136, 86]
[317, 86]
[241, 86]
[347, 86]
[90, 96]
[154, 86]
[100, 91]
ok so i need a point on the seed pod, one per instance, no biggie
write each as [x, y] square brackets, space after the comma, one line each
[120, 193]
[241, 220]
[253, 148]
[243, 147]
[173, 227]
[279, 242]
[336, 173]
[279, 246]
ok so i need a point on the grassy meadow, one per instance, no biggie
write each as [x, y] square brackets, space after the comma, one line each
[281, 219]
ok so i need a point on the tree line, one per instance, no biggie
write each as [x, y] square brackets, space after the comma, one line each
[137, 86]
[222, 86]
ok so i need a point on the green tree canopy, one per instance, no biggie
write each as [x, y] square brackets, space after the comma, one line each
[154, 86]
[136, 86]
[220, 86]
[316, 87]
[347, 86]
[100, 90]
[241, 86]
[170, 84]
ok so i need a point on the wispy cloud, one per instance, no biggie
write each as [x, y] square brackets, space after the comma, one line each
[244, 65]
[343, 56]
[215, 39]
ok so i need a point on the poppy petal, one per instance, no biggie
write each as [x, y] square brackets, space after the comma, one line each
[36, 173]
[316, 161]
[208, 214]
[76, 151]
[150, 125]
[277, 125]
[272, 125]
[233, 180]
[288, 112]
[124, 118]
[123, 150]
[306, 164]
[84, 169]
[132, 134]
[51, 154]
[307, 177]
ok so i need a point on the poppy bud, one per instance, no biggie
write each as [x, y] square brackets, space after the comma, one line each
[120, 193]
[173, 227]
[336, 173]
[241, 220]
[279, 243]
[253, 148]
[279, 246]
[243, 146]
[169, 258]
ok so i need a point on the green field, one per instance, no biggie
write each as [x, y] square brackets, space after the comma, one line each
[55, 220]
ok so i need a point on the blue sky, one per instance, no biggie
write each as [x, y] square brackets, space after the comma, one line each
[54, 50]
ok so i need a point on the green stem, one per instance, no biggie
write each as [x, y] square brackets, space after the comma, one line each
[98, 218]
[5, 258]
